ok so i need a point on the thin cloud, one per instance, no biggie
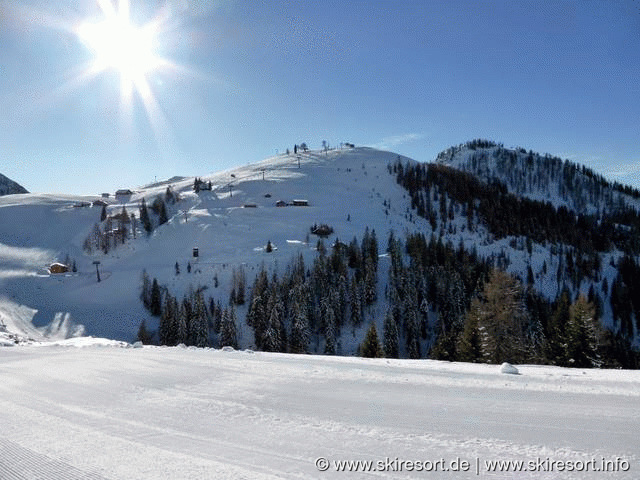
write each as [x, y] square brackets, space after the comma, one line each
[395, 140]
[624, 170]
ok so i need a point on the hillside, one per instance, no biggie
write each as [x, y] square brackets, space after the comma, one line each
[343, 189]
[412, 245]
[542, 177]
[9, 187]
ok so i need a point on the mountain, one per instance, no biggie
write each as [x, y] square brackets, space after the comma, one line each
[363, 237]
[541, 177]
[9, 187]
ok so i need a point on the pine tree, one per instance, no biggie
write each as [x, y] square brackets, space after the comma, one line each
[145, 293]
[330, 337]
[556, 346]
[240, 288]
[155, 304]
[583, 334]
[103, 213]
[200, 322]
[144, 335]
[123, 219]
[299, 342]
[189, 320]
[502, 319]
[355, 300]
[272, 340]
[370, 280]
[134, 224]
[469, 344]
[106, 238]
[228, 335]
[370, 347]
[167, 330]
[390, 332]
[182, 322]
[162, 216]
[144, 217]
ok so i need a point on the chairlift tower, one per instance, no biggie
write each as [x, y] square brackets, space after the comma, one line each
[96, 263]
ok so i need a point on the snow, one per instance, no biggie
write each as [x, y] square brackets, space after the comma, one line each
[37, 230]
[509, 369]
[106, 412]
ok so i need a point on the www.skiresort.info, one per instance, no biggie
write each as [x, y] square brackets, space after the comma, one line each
[476, 465]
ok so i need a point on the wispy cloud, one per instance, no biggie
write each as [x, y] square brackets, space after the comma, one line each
[604, 166]
[395, 140]
[624, 169]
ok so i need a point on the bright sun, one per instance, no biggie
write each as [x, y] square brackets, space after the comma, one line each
[119, 45]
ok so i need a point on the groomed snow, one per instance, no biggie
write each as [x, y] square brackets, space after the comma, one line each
[91, 409]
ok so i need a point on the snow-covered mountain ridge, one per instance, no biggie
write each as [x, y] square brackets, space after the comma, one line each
[351, 190]
[542, 177]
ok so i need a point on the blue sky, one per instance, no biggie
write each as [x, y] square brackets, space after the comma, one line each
[244, 79]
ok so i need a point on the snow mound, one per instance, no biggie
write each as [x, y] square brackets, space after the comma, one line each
[509, 369]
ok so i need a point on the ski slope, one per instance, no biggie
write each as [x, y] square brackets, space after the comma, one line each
[90, 409]
[344, 188]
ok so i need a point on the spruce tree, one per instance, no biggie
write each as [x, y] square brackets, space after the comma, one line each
[370, 347]
[162, 216]
[182, 320]
[144, 217]
[299, 339]
[228, 335]
[189, 319]
[155, 305]
[583, 335]
[390, 333]
[355, 300]
[145, 293]
[272, 340]
[469, 343]
[556, 351]
[330, 338]
[167, 330]
[200, 322]
[144, 335]
[240, 287]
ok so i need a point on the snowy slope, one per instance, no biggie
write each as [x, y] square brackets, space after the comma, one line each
[349, 189]
[9, 187]
[101, 412]
[539, 177]
[344, 188]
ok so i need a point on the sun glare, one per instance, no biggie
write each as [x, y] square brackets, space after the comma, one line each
[119, 45]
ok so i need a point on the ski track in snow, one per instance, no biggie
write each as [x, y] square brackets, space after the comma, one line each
[18, 463]
[118, 413]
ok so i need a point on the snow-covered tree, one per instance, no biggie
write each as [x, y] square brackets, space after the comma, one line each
[228, 334]
[390, 334]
